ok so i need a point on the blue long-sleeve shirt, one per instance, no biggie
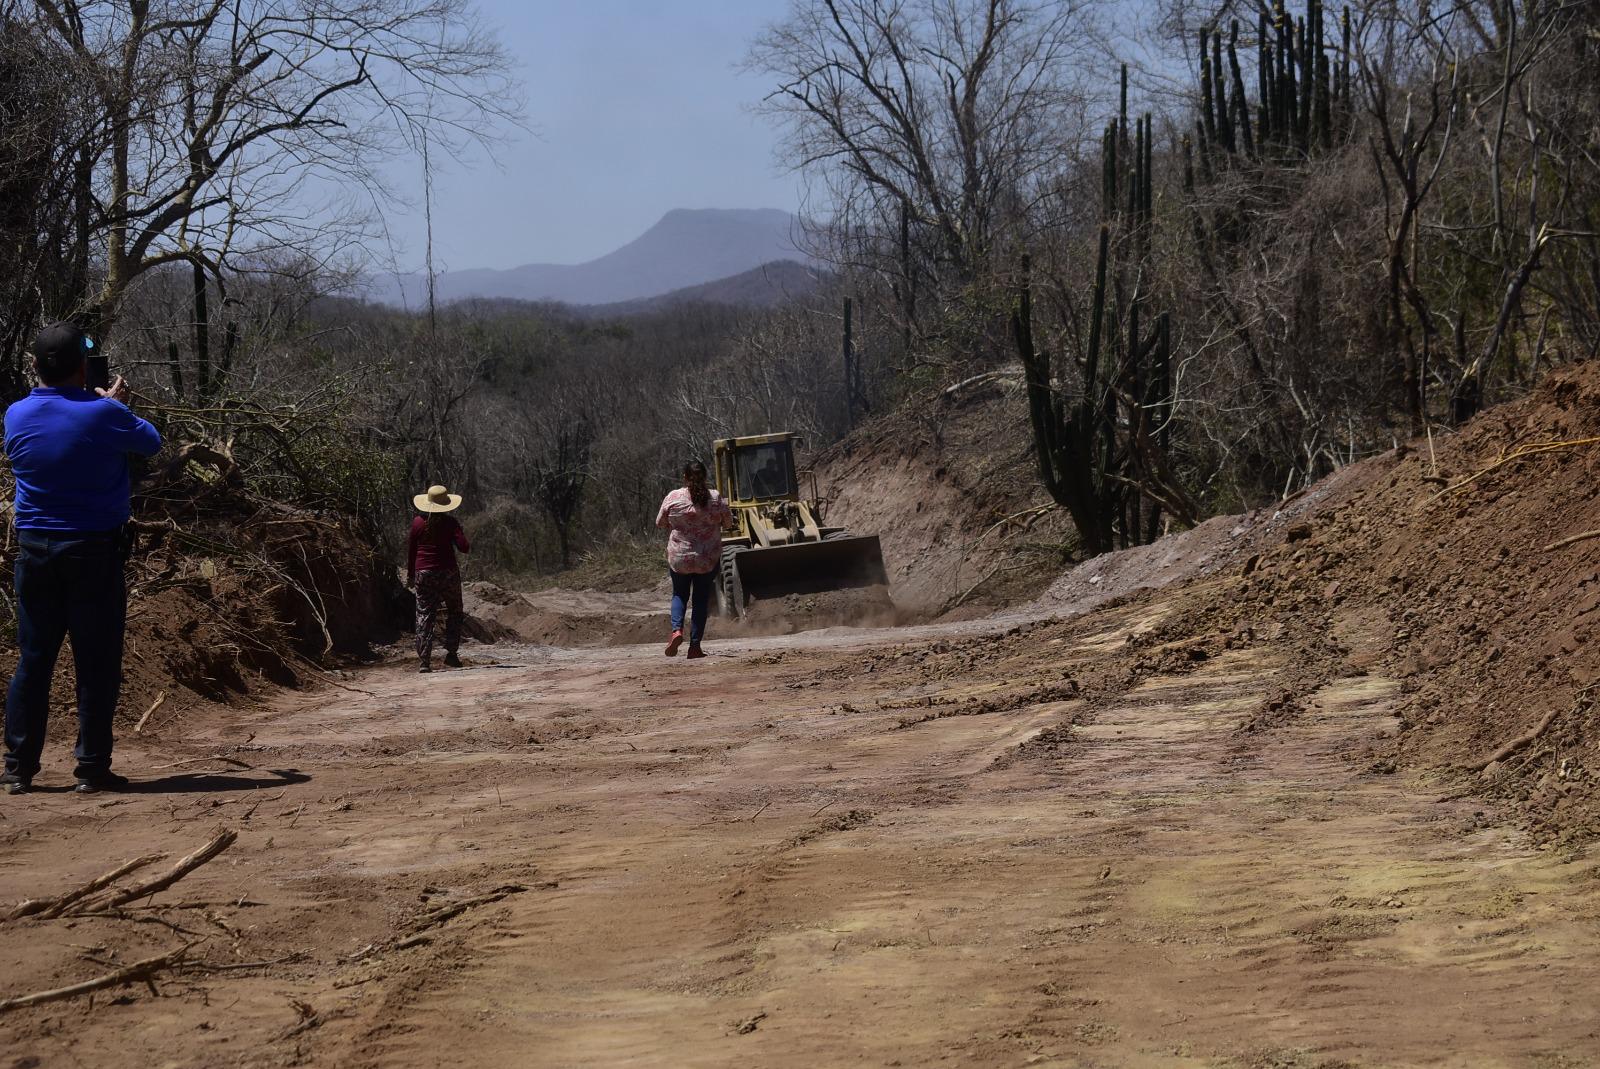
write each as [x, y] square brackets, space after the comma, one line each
[69, 452]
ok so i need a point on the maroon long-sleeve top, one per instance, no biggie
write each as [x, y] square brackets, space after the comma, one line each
[435, 550]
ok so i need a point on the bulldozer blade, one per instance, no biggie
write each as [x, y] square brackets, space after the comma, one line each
[809, 567]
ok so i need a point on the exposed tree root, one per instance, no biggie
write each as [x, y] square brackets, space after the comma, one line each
[1514, 745]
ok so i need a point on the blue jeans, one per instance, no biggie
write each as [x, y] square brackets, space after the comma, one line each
[67, 585]
[695, 588]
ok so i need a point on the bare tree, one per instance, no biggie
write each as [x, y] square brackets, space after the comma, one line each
[46, 137]
[230, 128]
[555, 468]
[934, 126]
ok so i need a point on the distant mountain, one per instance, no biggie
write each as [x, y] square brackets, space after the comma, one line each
[686, 248]
[763, 287]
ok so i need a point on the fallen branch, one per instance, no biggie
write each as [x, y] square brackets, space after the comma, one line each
[1584, 537]
[139, 972]
[161, 700]
[964, 595]
[328, 676]
[201, 760]
[1515, 744]
[53, 907]
[235, 966]
[976, 380]
[435, 917]
[1028, 514]
[992, 572]
[223, 840]
[242, 902]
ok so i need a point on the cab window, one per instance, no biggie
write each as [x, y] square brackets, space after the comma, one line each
[763, 471]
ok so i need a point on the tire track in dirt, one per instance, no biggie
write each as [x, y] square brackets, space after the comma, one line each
[755, 863]
[1162, 739]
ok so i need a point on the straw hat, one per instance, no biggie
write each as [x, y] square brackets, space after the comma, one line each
[437, 499]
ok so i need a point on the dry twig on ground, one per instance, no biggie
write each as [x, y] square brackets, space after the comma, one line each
[217, 845]
[161, 700]
[139, 972]
[435, 917]
[1563, 543]
[54, 907]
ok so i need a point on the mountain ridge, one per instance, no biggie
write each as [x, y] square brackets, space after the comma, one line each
[686, 247]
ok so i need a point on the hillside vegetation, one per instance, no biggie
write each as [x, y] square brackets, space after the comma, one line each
[1119, 299]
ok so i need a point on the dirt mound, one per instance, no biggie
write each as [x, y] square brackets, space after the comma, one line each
[564, 617]
[230, 592]
[1218, 544]
[853, 607]
[1459, 575]
[948, 483]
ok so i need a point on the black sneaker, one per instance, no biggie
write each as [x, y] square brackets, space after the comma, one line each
[452, 661]
[15, 784]
[101, 781]
[424, 667]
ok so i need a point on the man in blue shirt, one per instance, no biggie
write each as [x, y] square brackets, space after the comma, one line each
[69, 447]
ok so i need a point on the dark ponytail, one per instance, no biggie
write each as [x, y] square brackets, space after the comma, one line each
[694, 477]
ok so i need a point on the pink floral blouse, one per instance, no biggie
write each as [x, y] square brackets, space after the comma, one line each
[695, 545]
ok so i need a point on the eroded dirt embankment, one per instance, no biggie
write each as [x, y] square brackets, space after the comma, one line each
[1460, 571]
[232, 595]
[949, 484]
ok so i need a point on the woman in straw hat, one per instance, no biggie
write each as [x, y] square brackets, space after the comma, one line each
[432, 572]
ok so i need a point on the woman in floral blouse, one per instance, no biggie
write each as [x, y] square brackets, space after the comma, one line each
[696, 515]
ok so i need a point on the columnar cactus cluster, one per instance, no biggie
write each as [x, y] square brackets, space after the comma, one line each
[1302, 92]
[1103, 453]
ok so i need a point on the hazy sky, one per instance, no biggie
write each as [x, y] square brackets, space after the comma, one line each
[637, 109]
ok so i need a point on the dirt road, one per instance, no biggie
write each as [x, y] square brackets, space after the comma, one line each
[996, 845]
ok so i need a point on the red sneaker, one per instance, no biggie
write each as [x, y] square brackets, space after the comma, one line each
[673, 644]
[695, 651]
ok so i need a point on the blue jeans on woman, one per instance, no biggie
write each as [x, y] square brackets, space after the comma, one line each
[695, 588]
[67, 584]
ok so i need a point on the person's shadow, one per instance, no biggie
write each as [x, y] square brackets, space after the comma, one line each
[203, 782]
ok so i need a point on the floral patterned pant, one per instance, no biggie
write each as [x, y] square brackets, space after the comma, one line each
[435, 590]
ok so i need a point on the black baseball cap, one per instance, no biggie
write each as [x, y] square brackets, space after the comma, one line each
[60, 350]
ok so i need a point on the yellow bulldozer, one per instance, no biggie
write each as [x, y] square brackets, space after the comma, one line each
[778, 543]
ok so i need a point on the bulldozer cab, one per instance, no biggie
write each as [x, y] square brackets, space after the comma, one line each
[757, 469]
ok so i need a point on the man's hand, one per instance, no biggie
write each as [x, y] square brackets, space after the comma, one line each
[117, 391]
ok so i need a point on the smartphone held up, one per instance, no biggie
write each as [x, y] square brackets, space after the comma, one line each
[97, 366]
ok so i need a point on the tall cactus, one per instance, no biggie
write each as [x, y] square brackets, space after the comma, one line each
[1240, 99]
[1102, 453]
[1344, 60]
[1297, 87]
[1225, 130]
[1266, 84]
